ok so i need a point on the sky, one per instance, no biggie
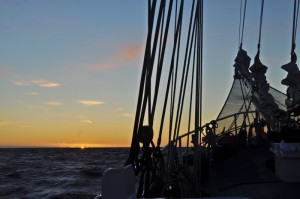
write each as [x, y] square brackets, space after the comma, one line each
[70, 70]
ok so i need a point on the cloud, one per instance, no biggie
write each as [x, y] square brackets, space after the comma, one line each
[2, 123]
[128, 115]
[87, 121]
[90, 102]
[129, 52]
[48, 85]
[126, 54]
[45, 83]
[84, 119]
[21, 83]
[54, 103]
[38, 82]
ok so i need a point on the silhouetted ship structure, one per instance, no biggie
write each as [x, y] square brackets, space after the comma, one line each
[252, 149]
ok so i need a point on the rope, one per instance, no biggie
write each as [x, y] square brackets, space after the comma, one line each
[150, 68]
[295, 21]
[160, 64]
[183, 86]
[191, 99]
[176, 8]
[174, 85]
[201, 63]
[240, 24]
[158, 28]
[261, 18]
[150, 118]
[185, 75]
[169, 78]
[198, 102]
[171, 72]
[167, 90]
[134, 149]
[243, 25]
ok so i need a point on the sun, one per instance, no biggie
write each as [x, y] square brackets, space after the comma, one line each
[82, 147]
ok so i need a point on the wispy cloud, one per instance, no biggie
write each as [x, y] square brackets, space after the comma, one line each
[87, 121]
[128, 115]
[129, 52]
[45, 83]
[48, 85]
[54, 103]
[38, 82]
[126, 54]
[21, 83]
[90, 102]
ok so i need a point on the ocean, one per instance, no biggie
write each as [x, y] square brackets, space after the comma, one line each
[56, 173]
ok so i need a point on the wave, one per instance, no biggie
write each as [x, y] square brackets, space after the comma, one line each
[56, 173]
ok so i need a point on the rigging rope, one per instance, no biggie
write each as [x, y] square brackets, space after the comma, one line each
[162, 44]
[191, 98]
[198, 102]
[160, 63]
[201, 64]
[260, 25]
[155, 51]
[168, 86]
[134, 149]
[147, 95]
[174, 85]
[183, 88]
[241, 31]
[295, 21]
[240, 23]
[169, 78]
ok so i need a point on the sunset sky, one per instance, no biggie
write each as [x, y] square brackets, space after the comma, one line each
[70, 69]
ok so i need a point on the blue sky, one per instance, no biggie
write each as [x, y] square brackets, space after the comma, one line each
[70, 70]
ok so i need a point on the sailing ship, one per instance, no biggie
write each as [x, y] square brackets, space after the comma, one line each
[201, 160]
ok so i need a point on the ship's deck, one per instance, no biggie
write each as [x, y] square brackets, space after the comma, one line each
[246, 174]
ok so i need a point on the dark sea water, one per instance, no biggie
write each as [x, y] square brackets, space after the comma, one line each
[56, 172]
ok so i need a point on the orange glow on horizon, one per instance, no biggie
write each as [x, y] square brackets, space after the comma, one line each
[84, 145]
